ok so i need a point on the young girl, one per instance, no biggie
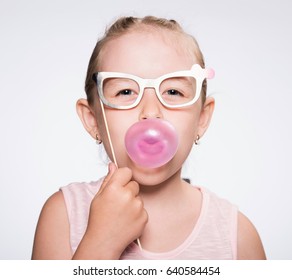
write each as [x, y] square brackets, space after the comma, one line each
[144, 71]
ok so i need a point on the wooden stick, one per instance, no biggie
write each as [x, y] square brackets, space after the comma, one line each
[112, 150]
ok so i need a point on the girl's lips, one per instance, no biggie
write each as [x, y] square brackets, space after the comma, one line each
[151, 146]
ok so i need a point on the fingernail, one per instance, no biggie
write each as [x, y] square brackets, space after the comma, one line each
[110, 167]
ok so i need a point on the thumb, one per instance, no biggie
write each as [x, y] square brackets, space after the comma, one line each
[111, 170]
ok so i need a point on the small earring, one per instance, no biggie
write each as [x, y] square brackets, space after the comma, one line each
[98, 141]
[197, 141]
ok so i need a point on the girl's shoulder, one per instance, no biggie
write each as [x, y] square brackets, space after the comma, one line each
[51, 237]
[249, 244]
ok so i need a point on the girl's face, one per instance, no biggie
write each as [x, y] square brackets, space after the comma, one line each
[149, 55]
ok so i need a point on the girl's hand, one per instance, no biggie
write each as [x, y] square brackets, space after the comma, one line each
[117, 217]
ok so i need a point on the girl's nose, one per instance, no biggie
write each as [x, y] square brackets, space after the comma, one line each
[150, 105]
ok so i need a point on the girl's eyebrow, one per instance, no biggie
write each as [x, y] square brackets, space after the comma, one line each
[185, 80]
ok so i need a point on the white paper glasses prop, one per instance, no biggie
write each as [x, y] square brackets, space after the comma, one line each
[174, 90]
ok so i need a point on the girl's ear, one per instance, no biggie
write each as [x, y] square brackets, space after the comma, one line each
[206, 115]
[87, 117]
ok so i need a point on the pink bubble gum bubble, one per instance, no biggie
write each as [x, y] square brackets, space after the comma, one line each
[151, 143]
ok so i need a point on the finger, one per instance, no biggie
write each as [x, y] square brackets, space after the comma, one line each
[133, 187]
[111, 170]
[121, 177]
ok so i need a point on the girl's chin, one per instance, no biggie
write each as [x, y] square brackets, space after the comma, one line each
[152, 176]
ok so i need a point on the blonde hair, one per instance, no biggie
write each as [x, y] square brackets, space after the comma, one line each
[126, 24]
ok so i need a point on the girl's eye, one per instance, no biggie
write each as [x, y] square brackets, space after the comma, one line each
[174, 92]
[125, 92]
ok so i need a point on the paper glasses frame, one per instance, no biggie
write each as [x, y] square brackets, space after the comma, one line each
[196, 72]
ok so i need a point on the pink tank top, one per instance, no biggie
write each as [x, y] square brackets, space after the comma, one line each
[214, 236]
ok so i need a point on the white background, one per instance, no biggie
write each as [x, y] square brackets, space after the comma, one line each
[245, 156]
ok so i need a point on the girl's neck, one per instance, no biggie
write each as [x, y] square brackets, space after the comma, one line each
[164, 193]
